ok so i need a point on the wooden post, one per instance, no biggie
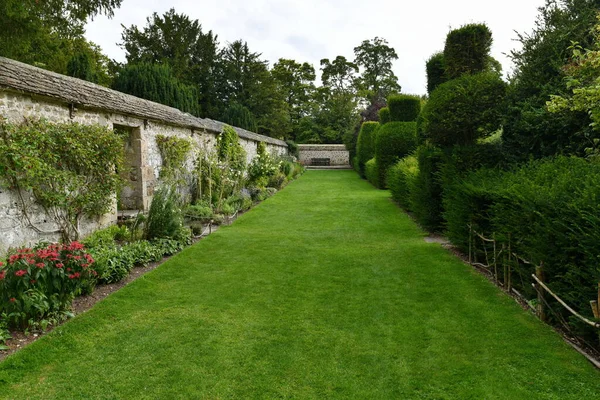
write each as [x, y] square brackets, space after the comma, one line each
[470, 240]
[541, 307]
[507, 284]
[495, 259]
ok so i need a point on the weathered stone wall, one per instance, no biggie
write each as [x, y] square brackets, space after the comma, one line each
[336, 153]
[21, 98]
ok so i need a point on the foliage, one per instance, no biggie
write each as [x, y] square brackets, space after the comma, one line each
[201, 212]
[426, 196]
[384, 115]
[365, 146]
[401, 178]
[464, 109]
[277, 181]
[38, 285]
[238, 115]
[80, 66]
[230, 151]
[292, 148]
[467, 50]
[107, 236]
[165, 217]
[262, 167]
[435, 67]
[394, 141]
[377, 80]
[174, 153]
[529, 128]
[68, 168]
[403, 107]
[156, 82]
[372, 172]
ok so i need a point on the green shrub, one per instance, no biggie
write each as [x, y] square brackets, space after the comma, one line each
[394, 141]
[198, 212]
[467, 50]
[384, 115]
[403, 107]
[277, 181]
[165, 217]
[435, 68]
[240, 201]
[292, 148]
[401, 178]
[37, 286]
[372, 173]
[426, 196]
[107, 236]
[463, 110]
[365, 146]
[262, 167]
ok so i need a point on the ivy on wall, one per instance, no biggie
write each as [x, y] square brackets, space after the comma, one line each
[69, 168]
[174, 152]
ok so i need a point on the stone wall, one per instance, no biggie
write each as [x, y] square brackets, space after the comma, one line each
[32, 93]
[336, 153]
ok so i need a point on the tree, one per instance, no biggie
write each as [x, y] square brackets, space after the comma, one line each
[296, 83]
[338, 74]
[377, 79]
[435, 68]
[239, 116]
[177, 40]
[467, 50]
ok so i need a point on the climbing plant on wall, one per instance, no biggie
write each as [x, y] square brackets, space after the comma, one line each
[174, 152]
[69, 169]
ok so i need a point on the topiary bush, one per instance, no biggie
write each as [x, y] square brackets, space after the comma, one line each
[426, 196]
[467, 50]
[463, 110]
[384, 115]
[365, 146]
[403, 107]
[435, 67]
[372, 173]
[401, 178]
[394, 141]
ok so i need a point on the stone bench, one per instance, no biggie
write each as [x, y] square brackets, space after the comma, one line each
[320, 161]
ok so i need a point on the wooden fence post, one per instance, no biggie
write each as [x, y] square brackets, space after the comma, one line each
[541, 307]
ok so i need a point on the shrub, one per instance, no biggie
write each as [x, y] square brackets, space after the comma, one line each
[37, 286]
[198, 212]
[372, 173]
[107, 236]
[384, 115]
[426, 196]
[401, 178]
[467, 50]
[435, 68]
[463, 110]
[165, 217]
[365, 146]
[292, 148]
[394, 141]
[404, 108]
[277, 181]
[262, 167]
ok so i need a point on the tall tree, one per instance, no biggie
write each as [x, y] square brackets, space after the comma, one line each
[377, 79]
[180, 42]
[338, 74]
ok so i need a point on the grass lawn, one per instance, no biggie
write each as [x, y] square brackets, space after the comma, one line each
[326, 290]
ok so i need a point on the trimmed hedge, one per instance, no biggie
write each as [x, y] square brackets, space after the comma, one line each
[394, 141]
[372, 172]
[426, 196]
[404, 107]
[365, 146]
[467, 50]
[435, 68]
[401, 178]
[549, 211]
[384, 115]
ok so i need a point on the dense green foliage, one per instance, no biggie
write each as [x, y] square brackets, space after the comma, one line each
[463, 110]
[165, 217]
[68, 168]
[401, 178]
[157, 83]
[467, 50]
[435, 68]
[261, 307]
[174, 153]
[403, 107]
[426, 196]
[384, 115]
[365, 145]
[372, 172]
[394, 141]
[377, 80]
[238, 115]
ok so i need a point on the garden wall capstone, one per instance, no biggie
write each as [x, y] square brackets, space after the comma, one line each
[27, 92]
[336, 153]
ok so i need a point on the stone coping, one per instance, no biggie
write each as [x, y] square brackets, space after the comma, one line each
[322, 147]
[26, 78]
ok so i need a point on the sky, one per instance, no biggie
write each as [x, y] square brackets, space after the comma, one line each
[310, 30]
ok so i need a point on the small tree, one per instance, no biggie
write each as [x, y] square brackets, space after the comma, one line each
[467, 50]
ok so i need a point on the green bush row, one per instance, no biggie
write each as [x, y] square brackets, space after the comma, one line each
[394, 141]
[372, 172]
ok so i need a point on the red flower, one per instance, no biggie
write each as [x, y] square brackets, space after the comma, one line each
[40, 265]
[68, 269]
[12, 300]
[32, 281]
[21, 272]
[59, 265]
[1, 263]
[75, 246]
[2, 275]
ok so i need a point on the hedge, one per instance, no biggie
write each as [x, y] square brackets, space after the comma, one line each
[401, 178]
[403, 107]
[394, 141]
[372, 172]
[384, 115]
[435, 68]
[365, 146]
[467, 50]
[426, 196]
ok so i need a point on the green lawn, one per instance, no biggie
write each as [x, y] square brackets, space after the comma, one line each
[326, 290]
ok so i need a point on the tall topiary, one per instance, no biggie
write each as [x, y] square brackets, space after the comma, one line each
[463, 110]
[426, 195]
[467, 50]
[394, 141]
[435, 68]
[384, 115]
[404, 107]
[365, 146]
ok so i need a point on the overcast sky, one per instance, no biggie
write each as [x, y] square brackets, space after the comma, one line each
[309, 30]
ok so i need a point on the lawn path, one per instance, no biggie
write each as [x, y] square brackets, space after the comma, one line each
[326, 290]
